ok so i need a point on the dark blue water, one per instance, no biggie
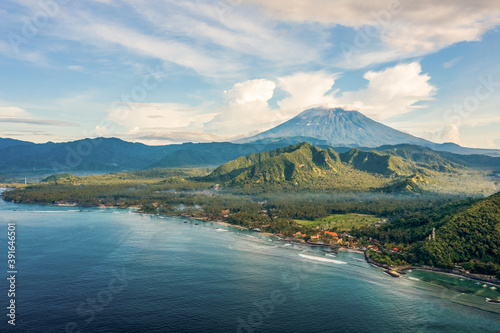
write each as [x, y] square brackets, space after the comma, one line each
[108, 270]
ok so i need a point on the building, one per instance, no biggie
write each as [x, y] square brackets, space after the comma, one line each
[315, 238]
[333, 234]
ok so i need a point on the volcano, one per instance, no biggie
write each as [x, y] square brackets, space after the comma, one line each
[336, 127]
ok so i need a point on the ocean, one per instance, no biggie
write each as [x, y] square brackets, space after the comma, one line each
[111, 270]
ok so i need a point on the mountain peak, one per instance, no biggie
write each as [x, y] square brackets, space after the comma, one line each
[336, 127]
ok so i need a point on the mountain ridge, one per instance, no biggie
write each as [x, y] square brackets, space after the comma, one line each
[304, 166]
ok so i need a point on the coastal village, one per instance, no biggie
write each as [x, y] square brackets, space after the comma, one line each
[371, 248]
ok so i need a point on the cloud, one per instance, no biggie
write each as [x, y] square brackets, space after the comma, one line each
[450, 133]
[306, 90]
[169, 50]
[224, 25]
[143, 117]
[21, 116]
[77, 68]
[246, 109]
[451, 62]
[391, 92]
[12, 112]
[388, 31]
[10, 50]
[170, 137]
[214, 39]
[258, 91]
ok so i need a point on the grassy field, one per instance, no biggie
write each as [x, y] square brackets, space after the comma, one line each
[342, 222]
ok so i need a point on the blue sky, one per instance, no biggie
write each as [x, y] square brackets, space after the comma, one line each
[163, 72]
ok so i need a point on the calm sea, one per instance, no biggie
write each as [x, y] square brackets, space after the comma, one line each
[109, 270]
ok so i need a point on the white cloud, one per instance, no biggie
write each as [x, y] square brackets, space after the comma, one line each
[450, 133]
[224, 25]
[306, 90]
[13, 112]
[392, 91]
[246, 109]
[141, 117]
[259, 91]
[451, 63]
[12, 117]
[76, 68]
[170, 137]
[392, 30]
[12, 50]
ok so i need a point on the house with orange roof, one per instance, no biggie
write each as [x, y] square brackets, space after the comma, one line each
[333, 234]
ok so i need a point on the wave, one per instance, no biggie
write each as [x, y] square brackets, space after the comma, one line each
[358, 259]
[321, 259]
[329, 255]
[221, 230]
[46, 211]
[412, 278]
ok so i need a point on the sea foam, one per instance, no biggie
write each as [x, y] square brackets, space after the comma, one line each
[321, 259]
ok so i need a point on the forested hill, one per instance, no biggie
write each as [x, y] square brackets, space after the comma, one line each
[300, 165]
[304, 166]
[471, 236]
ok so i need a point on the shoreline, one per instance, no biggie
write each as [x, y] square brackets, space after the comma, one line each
[464, 276]
[400, 270]
[348, 249]
[228, 225]
[403, 269]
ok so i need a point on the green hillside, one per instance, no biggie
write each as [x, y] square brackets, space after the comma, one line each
[300, 166]
[376, 162]
[470, 237]
[412, 184]
[303, 166]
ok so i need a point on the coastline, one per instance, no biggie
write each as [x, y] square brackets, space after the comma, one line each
[464, 276]
[348, 249]
[403, 269]
[228, 225]
[399, 270]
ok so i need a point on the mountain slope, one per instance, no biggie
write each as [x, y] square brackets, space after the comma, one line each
[112, 154]
[6, 142]
[470, 236]
[337, 127]
[305, 166]
[411, 169]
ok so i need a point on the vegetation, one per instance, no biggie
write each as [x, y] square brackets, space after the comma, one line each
[467, 235]
[308, 189]
[306, 168]
[341, 222]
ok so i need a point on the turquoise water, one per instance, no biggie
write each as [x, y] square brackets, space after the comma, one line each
[109, 270]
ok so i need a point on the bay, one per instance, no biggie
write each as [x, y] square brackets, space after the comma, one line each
[110, 270]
